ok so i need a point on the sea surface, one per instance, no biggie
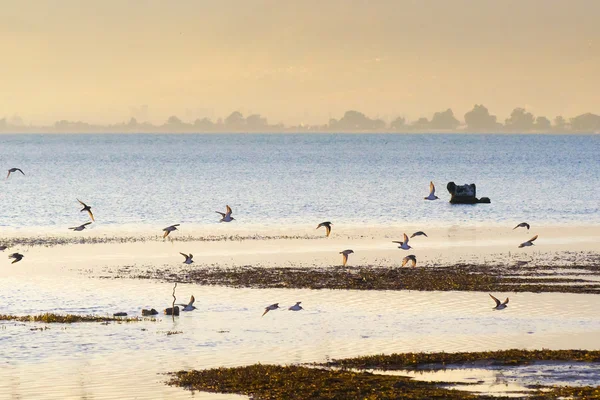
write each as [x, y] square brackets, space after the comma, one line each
[271, 180]
[288, 179]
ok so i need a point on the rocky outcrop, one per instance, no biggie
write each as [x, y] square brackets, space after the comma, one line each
[464, 194]
[172, 311]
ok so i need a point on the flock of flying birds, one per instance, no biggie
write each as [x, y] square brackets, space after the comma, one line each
[226, 217]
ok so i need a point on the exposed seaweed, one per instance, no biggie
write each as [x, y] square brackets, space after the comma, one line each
[300, 382]
[436, 361]
[459, 277]
[297, 382]
[569, 392]
[50, 241]
[321, 381]
[50, 318]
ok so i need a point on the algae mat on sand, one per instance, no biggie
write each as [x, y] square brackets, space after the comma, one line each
[303, 382]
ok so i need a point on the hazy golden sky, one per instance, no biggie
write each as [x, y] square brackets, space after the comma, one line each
[296, 61]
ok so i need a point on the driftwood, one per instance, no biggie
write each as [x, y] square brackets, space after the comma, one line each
[173, 310]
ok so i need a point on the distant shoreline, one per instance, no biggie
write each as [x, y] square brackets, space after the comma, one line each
[294, 132]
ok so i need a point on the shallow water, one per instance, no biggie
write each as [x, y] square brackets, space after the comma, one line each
[287, 184]
[90, 360]
[292, 179]
[510, 381]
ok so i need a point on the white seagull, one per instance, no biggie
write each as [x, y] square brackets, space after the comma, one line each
[529, 242]
[296, 307]
[403, 245]
[188, 258]
[10, 171]
[81, 227]
[522, 225]
[189, 306]
[499, 305]
[226, 216]
[432, 195]
[18, 257]
[345, 254]
[270, 308]
[170, 229]
[411, 258]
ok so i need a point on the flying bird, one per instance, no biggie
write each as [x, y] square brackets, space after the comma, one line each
[188, 258]
[86, 208]
[412, 258]
[419, 233]
[522, 225]
[81, 227]
[17, 257]
[189, 306]
[226, 216]
[345, 254]
[432, 195]
[529, 242]
[327, 226]
[270, 308]
[10, 171]
[499, 305]
[169, 229]
[296, 307]
[403, 245]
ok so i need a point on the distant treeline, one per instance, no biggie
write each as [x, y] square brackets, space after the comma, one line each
[477, 120]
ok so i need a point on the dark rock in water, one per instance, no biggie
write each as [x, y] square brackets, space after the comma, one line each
[120, 314]
[171, 311]
[149, 312]
[465, 194]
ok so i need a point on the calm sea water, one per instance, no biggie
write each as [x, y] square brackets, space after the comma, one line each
[297, 179]
[123, 361]
[268, 180]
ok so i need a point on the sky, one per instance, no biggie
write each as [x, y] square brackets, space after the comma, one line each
[295, 61]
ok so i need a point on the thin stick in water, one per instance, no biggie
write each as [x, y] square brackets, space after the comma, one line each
[173, 306]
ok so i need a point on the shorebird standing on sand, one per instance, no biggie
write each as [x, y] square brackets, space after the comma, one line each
[18, 257]
[2, 248]
[529, 242]
[86, 208]
[419, 233]
[169, 229]
[188, 258]
[412, 258]
[296, 307]
[81, 227]
[499, 305]
[189, 306]
[403, 245]
[327, 226]
[10, 171]
[345, 254]
[270, 308]
[432, 195]
[522, 225]
[226, 216]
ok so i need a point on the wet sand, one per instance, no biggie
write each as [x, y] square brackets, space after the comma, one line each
[297, 246]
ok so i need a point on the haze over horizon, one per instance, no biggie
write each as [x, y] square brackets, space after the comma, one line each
[296, 62]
